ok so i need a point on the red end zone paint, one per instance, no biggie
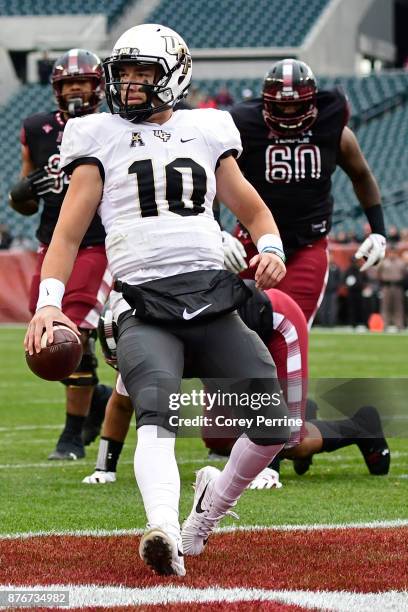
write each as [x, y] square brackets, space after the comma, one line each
[364, 560]
[238, 606]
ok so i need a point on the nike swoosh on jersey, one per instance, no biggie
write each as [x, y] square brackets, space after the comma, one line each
[186, 139]
[190, 315]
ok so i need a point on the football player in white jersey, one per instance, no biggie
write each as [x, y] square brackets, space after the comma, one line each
[153, 175]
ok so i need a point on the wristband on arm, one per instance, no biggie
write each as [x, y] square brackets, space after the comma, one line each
[51, 293]
[375, 217]
[271, 243]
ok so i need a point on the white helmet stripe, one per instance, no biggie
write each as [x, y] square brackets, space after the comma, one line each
[73, 60]
[287, 73]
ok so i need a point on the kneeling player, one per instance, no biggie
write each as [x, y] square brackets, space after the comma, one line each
[282, 326]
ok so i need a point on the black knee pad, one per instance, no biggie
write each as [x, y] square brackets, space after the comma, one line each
[270, 441]
[279, 433]
[85, 375]
[269, 427]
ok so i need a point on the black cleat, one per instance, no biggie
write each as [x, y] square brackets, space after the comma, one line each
[371, 442]
[275, 464]
[93, 422]
[218, 455]
[69, 448]
[301, 466]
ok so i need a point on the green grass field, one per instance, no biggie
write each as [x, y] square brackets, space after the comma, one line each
[40, 495]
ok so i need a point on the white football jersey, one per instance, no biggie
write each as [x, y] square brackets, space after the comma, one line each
[159, 187]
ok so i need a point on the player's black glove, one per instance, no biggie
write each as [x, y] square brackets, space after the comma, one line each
[24, 195]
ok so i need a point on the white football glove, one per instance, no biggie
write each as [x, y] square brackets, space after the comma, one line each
[99, 477]
[267, 479]
[372, 249]
[234, 253]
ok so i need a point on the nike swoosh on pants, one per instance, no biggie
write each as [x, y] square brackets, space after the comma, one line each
[190, 315]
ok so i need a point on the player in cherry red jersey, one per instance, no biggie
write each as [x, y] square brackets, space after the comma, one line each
[77, 81]
[293, 138]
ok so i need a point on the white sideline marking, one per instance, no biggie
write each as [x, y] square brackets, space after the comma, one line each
[50, 464]
[339, 601]
[103, 533]
[82, 463]
[29, 427]
[342, 331]
[86, 463]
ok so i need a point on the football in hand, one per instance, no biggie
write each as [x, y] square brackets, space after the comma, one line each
[58, 360]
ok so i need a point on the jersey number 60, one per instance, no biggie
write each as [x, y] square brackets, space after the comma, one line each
[284, 164]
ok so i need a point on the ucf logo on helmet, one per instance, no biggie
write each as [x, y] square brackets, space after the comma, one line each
[174, 47]
[172, 44]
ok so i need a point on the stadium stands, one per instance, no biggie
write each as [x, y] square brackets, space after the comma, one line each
[29, 99]
[112, 8]
[363, 92]
[382, 140]
[239, 23]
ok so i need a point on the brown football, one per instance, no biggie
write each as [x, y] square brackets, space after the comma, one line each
[58, 360]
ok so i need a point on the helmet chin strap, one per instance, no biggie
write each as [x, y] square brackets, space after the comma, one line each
[75, 106]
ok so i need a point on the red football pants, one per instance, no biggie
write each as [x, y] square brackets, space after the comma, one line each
[288, 346]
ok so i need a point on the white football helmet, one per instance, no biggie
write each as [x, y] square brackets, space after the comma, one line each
[149, 44]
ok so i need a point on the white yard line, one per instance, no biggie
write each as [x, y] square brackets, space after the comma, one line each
[110, 596]
[103, 533]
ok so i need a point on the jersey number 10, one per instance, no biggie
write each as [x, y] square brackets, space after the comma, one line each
[143, 169]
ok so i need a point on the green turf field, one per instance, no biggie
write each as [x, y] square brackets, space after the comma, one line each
[40, 495]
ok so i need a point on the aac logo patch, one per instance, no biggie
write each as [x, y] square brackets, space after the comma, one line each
[137, 140]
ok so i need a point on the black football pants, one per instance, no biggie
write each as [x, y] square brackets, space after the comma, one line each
[227, 356]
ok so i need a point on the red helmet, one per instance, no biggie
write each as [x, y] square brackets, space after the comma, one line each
[289, 83]
[78, 64]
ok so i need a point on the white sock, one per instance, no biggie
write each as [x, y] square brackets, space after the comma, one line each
[244, 464]
[157, 476]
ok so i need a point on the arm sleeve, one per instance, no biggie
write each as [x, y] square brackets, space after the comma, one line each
[79, 147]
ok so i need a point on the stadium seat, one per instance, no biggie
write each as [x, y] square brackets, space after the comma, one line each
[239, 23]
[111, 8]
